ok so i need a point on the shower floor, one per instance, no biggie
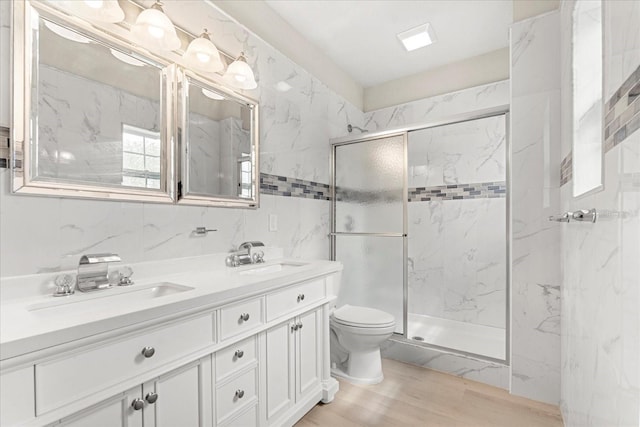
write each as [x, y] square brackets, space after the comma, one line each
[482, 340]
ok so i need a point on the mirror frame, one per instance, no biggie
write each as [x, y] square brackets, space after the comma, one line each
[182, 92]
[23, 74]
[116, 35]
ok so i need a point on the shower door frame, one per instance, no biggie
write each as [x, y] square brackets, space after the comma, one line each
[501, 110]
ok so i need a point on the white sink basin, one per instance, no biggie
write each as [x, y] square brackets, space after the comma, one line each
[80, 302]
[272, 268]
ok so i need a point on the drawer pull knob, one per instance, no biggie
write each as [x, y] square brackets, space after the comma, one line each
[239, 394]
[299, 325]
[151, 397]
[239, 354]
[244, 316]
[148, 352]
[137, 404]
[300, 297]
[294, 327]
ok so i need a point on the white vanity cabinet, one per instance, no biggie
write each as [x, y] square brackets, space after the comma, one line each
[257, 360]
[181, 397]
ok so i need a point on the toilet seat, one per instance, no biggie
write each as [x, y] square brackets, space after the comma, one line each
[362, 317]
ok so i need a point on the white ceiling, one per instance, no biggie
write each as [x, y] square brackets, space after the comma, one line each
[360, 36]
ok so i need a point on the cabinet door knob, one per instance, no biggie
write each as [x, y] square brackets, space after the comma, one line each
[239, 394]
[137, 404]
[239, 354]
[244, 316]
[148, 352]
[300, 297]
[299, 325]
[294, 327]
[151, 397]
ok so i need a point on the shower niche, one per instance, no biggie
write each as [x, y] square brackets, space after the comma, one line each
[420, 222]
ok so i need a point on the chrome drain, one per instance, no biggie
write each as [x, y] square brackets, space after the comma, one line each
[417, 338]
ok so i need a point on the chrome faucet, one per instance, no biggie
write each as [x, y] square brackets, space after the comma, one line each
[93, 271]
[245, 255]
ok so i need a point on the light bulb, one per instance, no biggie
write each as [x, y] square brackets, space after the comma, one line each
[94, 4]
[203, 57]
[156, 32]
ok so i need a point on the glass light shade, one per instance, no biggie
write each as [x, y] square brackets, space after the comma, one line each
[154, 30]
[97, 10]
[203, 55]
[240, 75]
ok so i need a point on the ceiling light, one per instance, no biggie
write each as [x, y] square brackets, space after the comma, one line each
[240, 75]
[283, 86]
[153, 29]
[203, 55]
[97, 10]
[66, 33]
[417, 37]
[126, 58]
[212, 95]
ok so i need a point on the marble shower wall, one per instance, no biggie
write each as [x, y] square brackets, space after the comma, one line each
[601, 274]
[535, 147]
[457, 248]
[49, 234]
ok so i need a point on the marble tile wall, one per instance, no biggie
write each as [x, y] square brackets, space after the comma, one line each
[295, 130]
[601, 274]
[5, 48]
[535, 147]
[457, 246]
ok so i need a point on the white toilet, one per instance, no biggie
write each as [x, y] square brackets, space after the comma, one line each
[356, 335]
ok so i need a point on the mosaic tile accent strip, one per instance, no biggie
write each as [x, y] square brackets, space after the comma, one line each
[479, 190]
[622, 112]
[5, 154]
[277, 185]
[566, 169]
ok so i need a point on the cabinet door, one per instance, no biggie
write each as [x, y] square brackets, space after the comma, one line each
[280, 361]
[182, 397]
[113, 412]
[309, 353]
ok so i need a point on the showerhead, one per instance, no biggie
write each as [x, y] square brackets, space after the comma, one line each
[351, 128]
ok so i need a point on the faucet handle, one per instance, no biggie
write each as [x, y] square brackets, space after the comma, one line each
[64, 285]
[257, 257]
[125, 276]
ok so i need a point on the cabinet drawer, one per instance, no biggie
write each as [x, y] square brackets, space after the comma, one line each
[76, 375]
[235, 395]
[247, 419]
[241, 317]
[283, 302]
[233, 358]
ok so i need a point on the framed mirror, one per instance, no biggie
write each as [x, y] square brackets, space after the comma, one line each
[91, 115]
[217, 144]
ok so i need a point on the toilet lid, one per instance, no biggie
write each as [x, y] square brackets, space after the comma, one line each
[362, 316]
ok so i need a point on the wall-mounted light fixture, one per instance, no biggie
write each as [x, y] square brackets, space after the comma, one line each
[203, 55]
[240, 75]
[96, 10]
[154, 30]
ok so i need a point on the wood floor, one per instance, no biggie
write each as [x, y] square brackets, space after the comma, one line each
[414, 396]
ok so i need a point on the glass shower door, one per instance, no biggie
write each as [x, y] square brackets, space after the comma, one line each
[368, 229]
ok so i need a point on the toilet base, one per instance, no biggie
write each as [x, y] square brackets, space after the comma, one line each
[336, 372]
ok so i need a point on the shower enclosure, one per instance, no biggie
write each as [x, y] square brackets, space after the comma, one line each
[419, 220]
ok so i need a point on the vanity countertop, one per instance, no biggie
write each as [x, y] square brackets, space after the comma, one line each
[36, 322]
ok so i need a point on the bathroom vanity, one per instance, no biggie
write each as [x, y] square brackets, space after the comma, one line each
[203, 347]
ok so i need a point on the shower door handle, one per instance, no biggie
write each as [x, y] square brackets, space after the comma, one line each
[565, 217]
[585, 215]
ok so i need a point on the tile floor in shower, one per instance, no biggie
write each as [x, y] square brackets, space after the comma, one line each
[482, 340]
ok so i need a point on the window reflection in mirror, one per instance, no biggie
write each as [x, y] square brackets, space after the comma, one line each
[96, 111]
[218, 144]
